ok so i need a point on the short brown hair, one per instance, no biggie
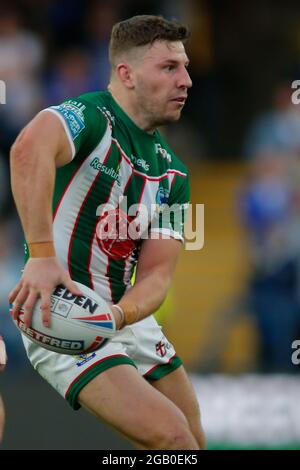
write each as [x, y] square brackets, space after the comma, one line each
[142, 30]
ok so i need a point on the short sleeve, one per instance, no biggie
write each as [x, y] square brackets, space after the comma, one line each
[169, 219]
[83, 122]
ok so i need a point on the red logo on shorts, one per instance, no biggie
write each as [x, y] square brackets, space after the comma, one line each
[112, 234]
[161, 349]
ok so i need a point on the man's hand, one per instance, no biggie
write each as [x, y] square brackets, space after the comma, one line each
[156, 265]
[3, 356]
[39, 279]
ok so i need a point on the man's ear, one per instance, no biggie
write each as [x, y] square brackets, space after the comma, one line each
[124, 73]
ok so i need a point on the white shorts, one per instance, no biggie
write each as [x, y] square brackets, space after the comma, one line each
[142, 345]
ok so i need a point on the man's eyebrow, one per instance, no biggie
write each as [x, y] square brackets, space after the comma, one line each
[174, 61]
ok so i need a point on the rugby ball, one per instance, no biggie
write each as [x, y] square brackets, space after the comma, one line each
[79, 324]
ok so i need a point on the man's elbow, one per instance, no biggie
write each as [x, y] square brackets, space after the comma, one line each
[22, 148]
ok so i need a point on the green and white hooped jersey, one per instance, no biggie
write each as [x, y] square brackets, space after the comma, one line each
[115, 165]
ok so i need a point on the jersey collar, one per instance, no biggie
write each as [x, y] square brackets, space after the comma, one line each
[128, 120]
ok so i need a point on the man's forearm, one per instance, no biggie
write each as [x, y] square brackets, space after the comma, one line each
[147, 295]
[32, 181]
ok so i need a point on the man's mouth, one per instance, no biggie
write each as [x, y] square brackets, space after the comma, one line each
[180, 99]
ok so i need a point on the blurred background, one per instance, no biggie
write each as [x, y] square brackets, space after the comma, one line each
[234, 309]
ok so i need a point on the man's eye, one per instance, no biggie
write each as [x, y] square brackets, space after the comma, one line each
[169, 68]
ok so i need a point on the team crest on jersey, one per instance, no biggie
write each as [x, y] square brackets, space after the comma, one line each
[112, 234]
[161, 199]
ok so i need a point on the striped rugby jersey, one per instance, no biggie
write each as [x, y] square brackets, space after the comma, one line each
[115, 165]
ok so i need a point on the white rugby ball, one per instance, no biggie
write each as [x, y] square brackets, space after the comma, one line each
[79, 324]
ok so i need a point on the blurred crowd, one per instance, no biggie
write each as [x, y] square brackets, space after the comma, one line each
[270, 213]
[53, 49]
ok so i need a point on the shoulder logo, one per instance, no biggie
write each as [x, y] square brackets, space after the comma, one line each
[72, 111]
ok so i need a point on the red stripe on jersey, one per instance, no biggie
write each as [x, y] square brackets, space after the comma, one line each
[177, 172]
[93, 238]
[90, 259]
[127, 184]
[65, 190]
[109, 278]
[142, 192]
[92, 241]
[81, 208]
[149, 178]
[139, 201]
[173, 181]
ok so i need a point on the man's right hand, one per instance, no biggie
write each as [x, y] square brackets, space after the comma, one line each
[39, 279]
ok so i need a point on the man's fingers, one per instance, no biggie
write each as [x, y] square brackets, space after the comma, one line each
[19, 301]
[29, 306]
[72, 287]
[46, 307]
[14, 292]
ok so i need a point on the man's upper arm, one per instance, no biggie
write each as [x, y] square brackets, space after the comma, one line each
[82, 122]
[45, 135]
[159, 256]
[73, 128]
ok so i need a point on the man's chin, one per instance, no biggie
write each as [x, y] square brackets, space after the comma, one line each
[174, 117]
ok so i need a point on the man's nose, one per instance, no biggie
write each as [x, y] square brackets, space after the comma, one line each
[185, 80]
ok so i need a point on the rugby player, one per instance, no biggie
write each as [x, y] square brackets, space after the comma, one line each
[72, 168]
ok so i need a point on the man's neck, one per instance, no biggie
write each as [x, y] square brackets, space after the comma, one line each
[131, 109]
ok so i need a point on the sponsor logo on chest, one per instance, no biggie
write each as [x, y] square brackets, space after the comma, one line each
[163, 153]
[96, 164]
[140, 162]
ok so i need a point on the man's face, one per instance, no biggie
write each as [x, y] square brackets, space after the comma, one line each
[161, 82]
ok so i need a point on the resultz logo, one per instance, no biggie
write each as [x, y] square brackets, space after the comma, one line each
[96, 164]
